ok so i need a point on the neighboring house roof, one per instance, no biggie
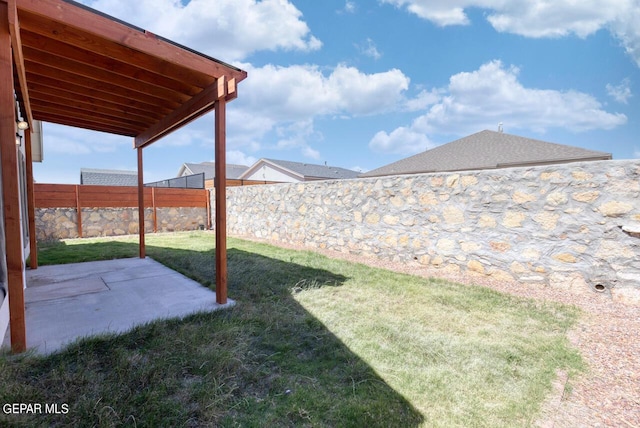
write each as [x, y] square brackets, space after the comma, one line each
[488, 150]
[108, 177]
[233, 171]
[303, 171]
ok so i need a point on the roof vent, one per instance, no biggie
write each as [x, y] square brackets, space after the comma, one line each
[500, 127]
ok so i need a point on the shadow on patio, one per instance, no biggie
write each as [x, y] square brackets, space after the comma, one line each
[264, 362]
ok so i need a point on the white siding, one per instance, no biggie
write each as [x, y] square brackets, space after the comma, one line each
[268, 173]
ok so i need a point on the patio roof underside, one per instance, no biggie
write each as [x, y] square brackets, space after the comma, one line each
[77, 67]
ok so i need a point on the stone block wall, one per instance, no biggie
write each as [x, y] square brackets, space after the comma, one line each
[113, 221]
[61, 223]
[575, 226]
[177, 219]
[56, 223]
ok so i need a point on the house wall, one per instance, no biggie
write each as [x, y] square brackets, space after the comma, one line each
[268, 173]
[573, 226]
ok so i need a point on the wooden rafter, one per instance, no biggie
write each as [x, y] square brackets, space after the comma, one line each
[44, 45]
[113, 31]
[96, 87]
[18, 57]
[75, 70]
[41, 83]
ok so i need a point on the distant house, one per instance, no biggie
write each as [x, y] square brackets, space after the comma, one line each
[488, 150]
[208, 168]
[108, 177]
[291, 172]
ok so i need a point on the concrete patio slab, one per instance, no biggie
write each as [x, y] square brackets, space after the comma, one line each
[66, 302]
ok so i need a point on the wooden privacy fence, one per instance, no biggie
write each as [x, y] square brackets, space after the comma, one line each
[88, 196]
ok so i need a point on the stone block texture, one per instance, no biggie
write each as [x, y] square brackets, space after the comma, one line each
[564, 226]
[62, 223]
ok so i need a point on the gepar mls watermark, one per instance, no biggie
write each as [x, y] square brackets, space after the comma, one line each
[35, 408]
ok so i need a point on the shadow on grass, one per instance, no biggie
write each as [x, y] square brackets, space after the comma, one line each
[265, 362]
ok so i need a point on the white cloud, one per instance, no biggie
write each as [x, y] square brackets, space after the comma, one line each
[481, 99]
[422, 100]
[310, 153]
[226, 29]
[299, 92]
[349, 7]
[370, 49]
[286, 100]
[239, 158]
[622, 92]
[400, 141]
[541, 18]
[75, 141]
[298, 135]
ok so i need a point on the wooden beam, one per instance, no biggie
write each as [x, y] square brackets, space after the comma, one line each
[141, 205]
[221, 201]
[18, 58]
[11, 189]
[105, 29]
[155, 211]
[192, 109]
[78, 212]
[208, 209]
[31, 203]
[232, 92]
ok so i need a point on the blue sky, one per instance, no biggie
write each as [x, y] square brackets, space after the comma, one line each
[360, 84]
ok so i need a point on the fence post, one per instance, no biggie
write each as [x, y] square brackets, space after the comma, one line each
[78, 212]
[208, 209]
[155, 215]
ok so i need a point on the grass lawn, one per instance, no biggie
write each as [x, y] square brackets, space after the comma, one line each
[312, 341]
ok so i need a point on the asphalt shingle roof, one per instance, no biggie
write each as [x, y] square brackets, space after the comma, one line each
[487, 150]
[233, 171]
[108, 177]
[309, 170]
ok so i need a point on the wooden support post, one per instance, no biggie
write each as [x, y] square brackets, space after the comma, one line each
[141, 205]
[221, 201]
[78, 212]
[31, 204]
[208, 209]
[11, 190]
[155, 212]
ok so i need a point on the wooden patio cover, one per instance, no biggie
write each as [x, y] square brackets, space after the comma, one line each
[71, 65]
